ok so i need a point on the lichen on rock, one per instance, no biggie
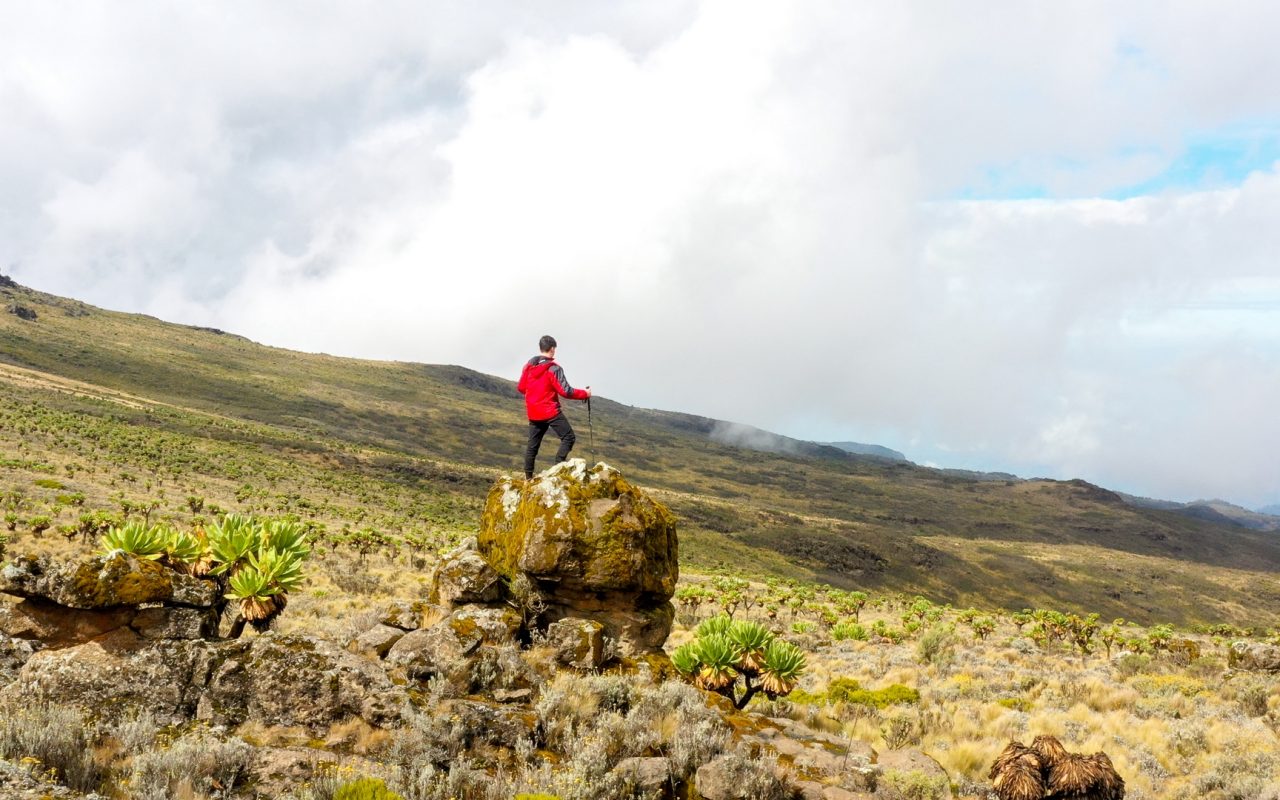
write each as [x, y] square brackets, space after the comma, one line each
[592, 544]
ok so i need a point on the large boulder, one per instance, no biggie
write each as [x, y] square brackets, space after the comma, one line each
[104, 581]
[1254, 656]
[297, 680]
[592, 546]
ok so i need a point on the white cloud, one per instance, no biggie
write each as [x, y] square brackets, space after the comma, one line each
[748, 200]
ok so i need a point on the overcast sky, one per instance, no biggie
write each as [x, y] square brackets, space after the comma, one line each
[1035, 237]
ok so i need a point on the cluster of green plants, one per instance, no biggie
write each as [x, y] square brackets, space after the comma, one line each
[850, 692]
[738, 659]
[257, 561]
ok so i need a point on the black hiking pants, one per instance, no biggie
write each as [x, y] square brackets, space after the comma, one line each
[538, 429]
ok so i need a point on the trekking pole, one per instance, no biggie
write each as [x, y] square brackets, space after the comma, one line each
[591, 434]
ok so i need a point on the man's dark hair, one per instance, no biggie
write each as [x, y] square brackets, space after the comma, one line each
[546, 343]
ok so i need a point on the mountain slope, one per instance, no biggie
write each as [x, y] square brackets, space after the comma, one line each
[397, 445]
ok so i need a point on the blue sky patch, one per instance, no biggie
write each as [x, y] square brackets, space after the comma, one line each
[1211, 160]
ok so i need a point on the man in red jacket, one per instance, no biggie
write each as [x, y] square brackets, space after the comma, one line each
[543, 384]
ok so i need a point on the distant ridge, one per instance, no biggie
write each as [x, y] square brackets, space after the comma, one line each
[879, 451]
[1219, 511]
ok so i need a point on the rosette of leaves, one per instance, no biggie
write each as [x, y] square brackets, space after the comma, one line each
[714, 626]
[750, 639]
[738, 660]
[136, 539]
[231, 540]
[188, 552]
[261, 563]
[783, 665]
[718, 663]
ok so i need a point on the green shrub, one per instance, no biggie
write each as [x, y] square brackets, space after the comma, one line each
[841, 689]
[849, 630]
[1015, 703]
[50, 483]
[365, 789]
[915, 785]
[937, 646]
[897, 694]
[1131, 664]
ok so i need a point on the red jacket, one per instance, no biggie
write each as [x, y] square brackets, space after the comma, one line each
[543, 384]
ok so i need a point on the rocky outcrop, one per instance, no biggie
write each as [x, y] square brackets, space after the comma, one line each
[123, 635]
[104, 581]
[77, 602]
[1254, 656]
[591, 545]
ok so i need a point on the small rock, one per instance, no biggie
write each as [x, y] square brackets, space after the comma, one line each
[578, 643]
[445, 646]
[810, 790]
[23, 312]
[377, 641]
[13, 654]
[492, 723]
[912, 760]
[1183, 651]
[646, 777]
[465, 577]
[404, 615]
[513, 695]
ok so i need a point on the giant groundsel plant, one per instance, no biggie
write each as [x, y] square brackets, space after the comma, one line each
[740, 659]
[256, 562]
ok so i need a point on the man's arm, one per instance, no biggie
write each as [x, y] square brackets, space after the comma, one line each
[523, 384]
[562, 385]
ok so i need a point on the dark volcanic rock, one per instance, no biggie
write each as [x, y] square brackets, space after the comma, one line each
[56, 626]
[298, 680]
[13, 654]
[462, 577]
[120, 674]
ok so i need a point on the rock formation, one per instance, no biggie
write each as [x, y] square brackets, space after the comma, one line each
[122, 635]
[1254, 657]
[590, 546]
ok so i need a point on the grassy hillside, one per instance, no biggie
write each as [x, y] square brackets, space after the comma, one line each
[126, 409]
